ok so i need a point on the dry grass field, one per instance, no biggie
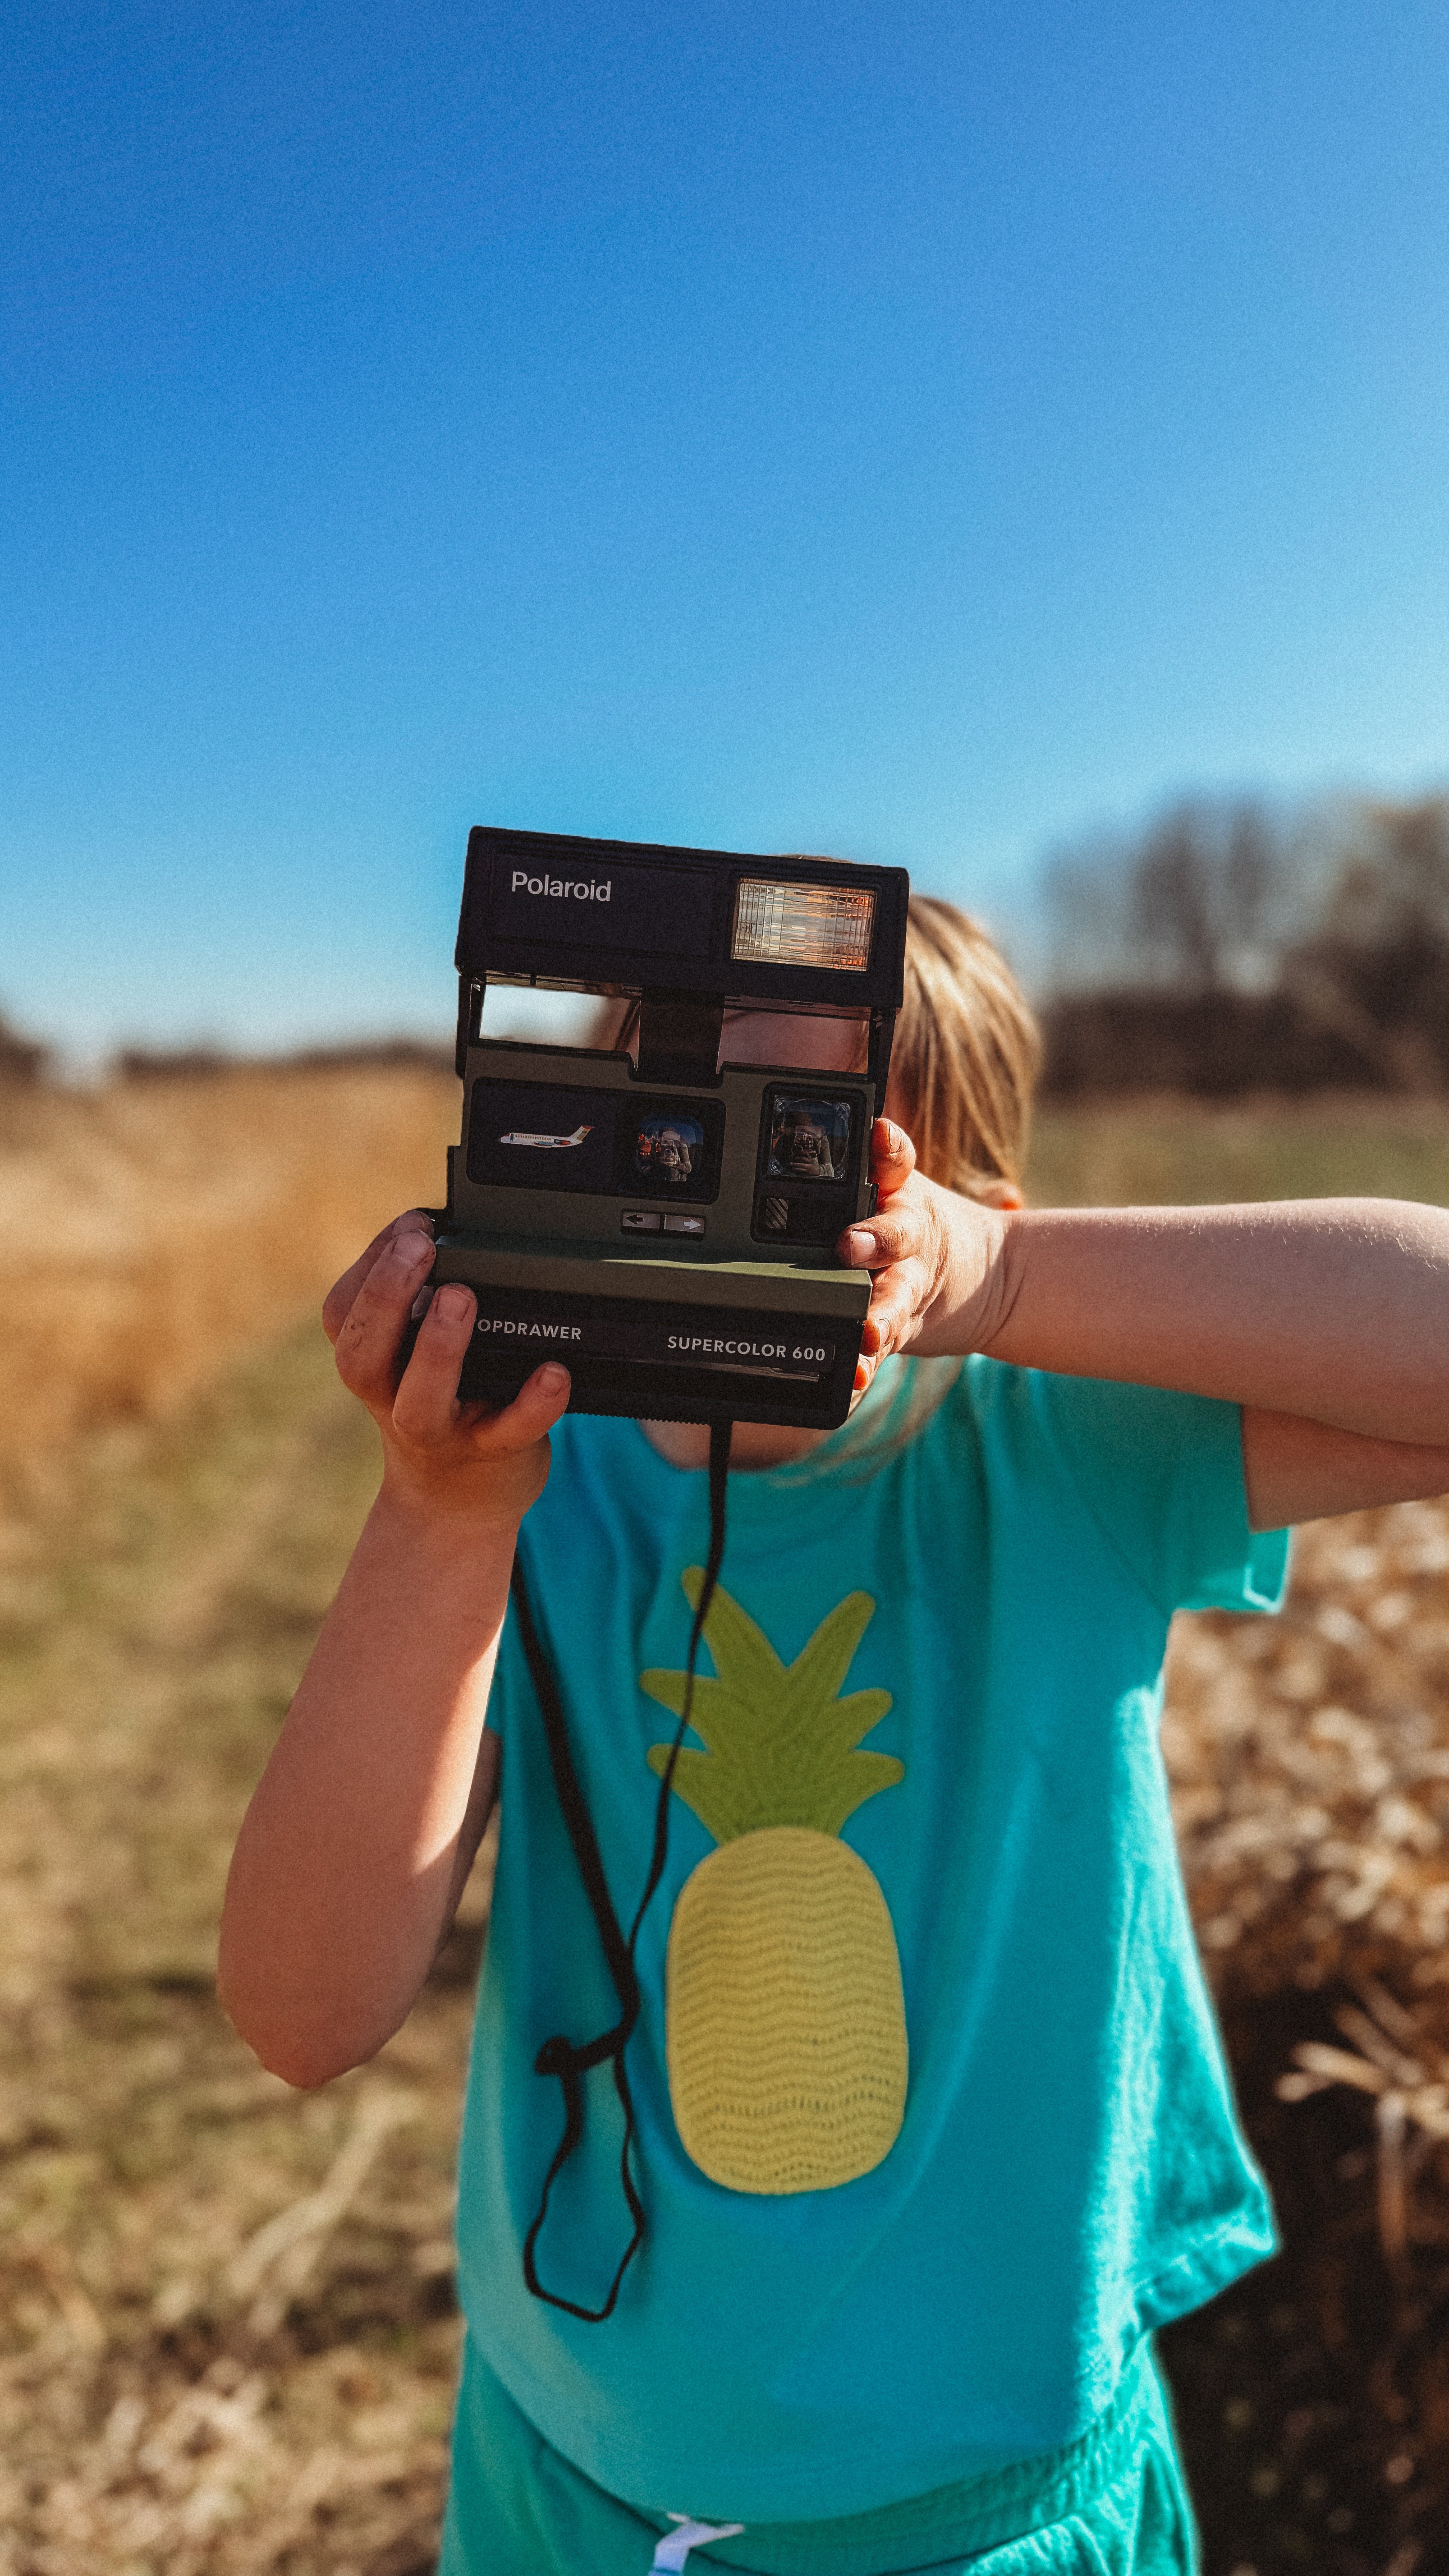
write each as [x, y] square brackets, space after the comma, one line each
[152, 1228]
[226, 2323]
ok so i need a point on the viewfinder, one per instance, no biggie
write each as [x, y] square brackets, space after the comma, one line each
[802, 925]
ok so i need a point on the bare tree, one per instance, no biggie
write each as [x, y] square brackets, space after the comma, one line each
[1377, 966]
[1231, 943]
[1202, 901]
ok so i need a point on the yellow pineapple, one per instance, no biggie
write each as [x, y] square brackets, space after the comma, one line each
[784, 2018]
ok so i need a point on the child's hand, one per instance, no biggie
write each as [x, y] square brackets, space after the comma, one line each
[933, 1253]
[441, 1458]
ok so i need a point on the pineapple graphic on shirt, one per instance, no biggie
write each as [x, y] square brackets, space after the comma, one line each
[784, 2017]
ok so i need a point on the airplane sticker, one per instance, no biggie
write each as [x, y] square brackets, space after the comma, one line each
[519, 1136]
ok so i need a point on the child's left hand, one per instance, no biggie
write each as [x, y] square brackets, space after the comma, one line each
[932, 1253]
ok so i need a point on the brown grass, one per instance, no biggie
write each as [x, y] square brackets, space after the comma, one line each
[151, 1231]
[227, 2337]
[227, 2334]
[1119, 1153]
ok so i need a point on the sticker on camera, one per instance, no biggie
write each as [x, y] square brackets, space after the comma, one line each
[667, 1153]
[809, 1138]
[670, 1150]
[541, 1136]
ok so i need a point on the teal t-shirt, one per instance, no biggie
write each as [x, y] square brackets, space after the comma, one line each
[933, 2122]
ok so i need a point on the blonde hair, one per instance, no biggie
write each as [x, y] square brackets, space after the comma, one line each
[967, 1052]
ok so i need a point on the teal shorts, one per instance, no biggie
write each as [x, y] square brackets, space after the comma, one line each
[1110, 2504]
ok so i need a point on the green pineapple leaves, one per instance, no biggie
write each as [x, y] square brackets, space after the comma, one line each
[780, 1741]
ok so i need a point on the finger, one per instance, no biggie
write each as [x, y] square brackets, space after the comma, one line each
[426, 1411]
[337, 1304]
[425, 1408]
[885, 1238]
[894, 1307]
[897, 1298]
[534, 1410]
[892, 1157]
[372, 1329]
[885, 1327]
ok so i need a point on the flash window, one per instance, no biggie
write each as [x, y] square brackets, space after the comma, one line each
[802, 925]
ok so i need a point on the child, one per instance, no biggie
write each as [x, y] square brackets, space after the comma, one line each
[933, 2129]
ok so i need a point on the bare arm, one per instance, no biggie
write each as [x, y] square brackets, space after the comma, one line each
[358, 1841]
[1326, 1319]
[1298, 1470]
[1333, 1309]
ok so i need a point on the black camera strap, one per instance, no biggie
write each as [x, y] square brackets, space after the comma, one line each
[558, 2056]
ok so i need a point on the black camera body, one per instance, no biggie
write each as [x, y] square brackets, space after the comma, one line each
[663, 1221]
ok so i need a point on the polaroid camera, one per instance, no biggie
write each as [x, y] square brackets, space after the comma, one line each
[664, 1222]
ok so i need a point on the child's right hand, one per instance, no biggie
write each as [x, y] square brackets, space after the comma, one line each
[442, 1459]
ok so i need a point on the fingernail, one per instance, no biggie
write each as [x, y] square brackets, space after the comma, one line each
[552, 1379]
[452, 1304]
[413, 1250]
[859, 1245]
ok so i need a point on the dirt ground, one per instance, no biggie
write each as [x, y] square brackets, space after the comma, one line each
[227, 2331]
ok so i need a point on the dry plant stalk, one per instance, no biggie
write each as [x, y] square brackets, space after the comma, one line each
[1410, 2096]
[278, 2262]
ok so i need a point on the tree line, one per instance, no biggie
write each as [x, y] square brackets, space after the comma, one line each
[1233, 946]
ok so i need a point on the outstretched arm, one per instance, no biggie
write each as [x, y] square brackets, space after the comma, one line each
[360, 1836]
[1326, 1319]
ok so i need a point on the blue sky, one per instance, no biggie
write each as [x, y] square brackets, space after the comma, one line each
[920, 432]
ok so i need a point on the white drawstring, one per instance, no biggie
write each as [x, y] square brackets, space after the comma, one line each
[675, 2547]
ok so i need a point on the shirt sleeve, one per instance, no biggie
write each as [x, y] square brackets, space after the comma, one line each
[1162, 1474]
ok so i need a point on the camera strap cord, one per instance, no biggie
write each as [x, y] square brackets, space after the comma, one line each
[558, 2056]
